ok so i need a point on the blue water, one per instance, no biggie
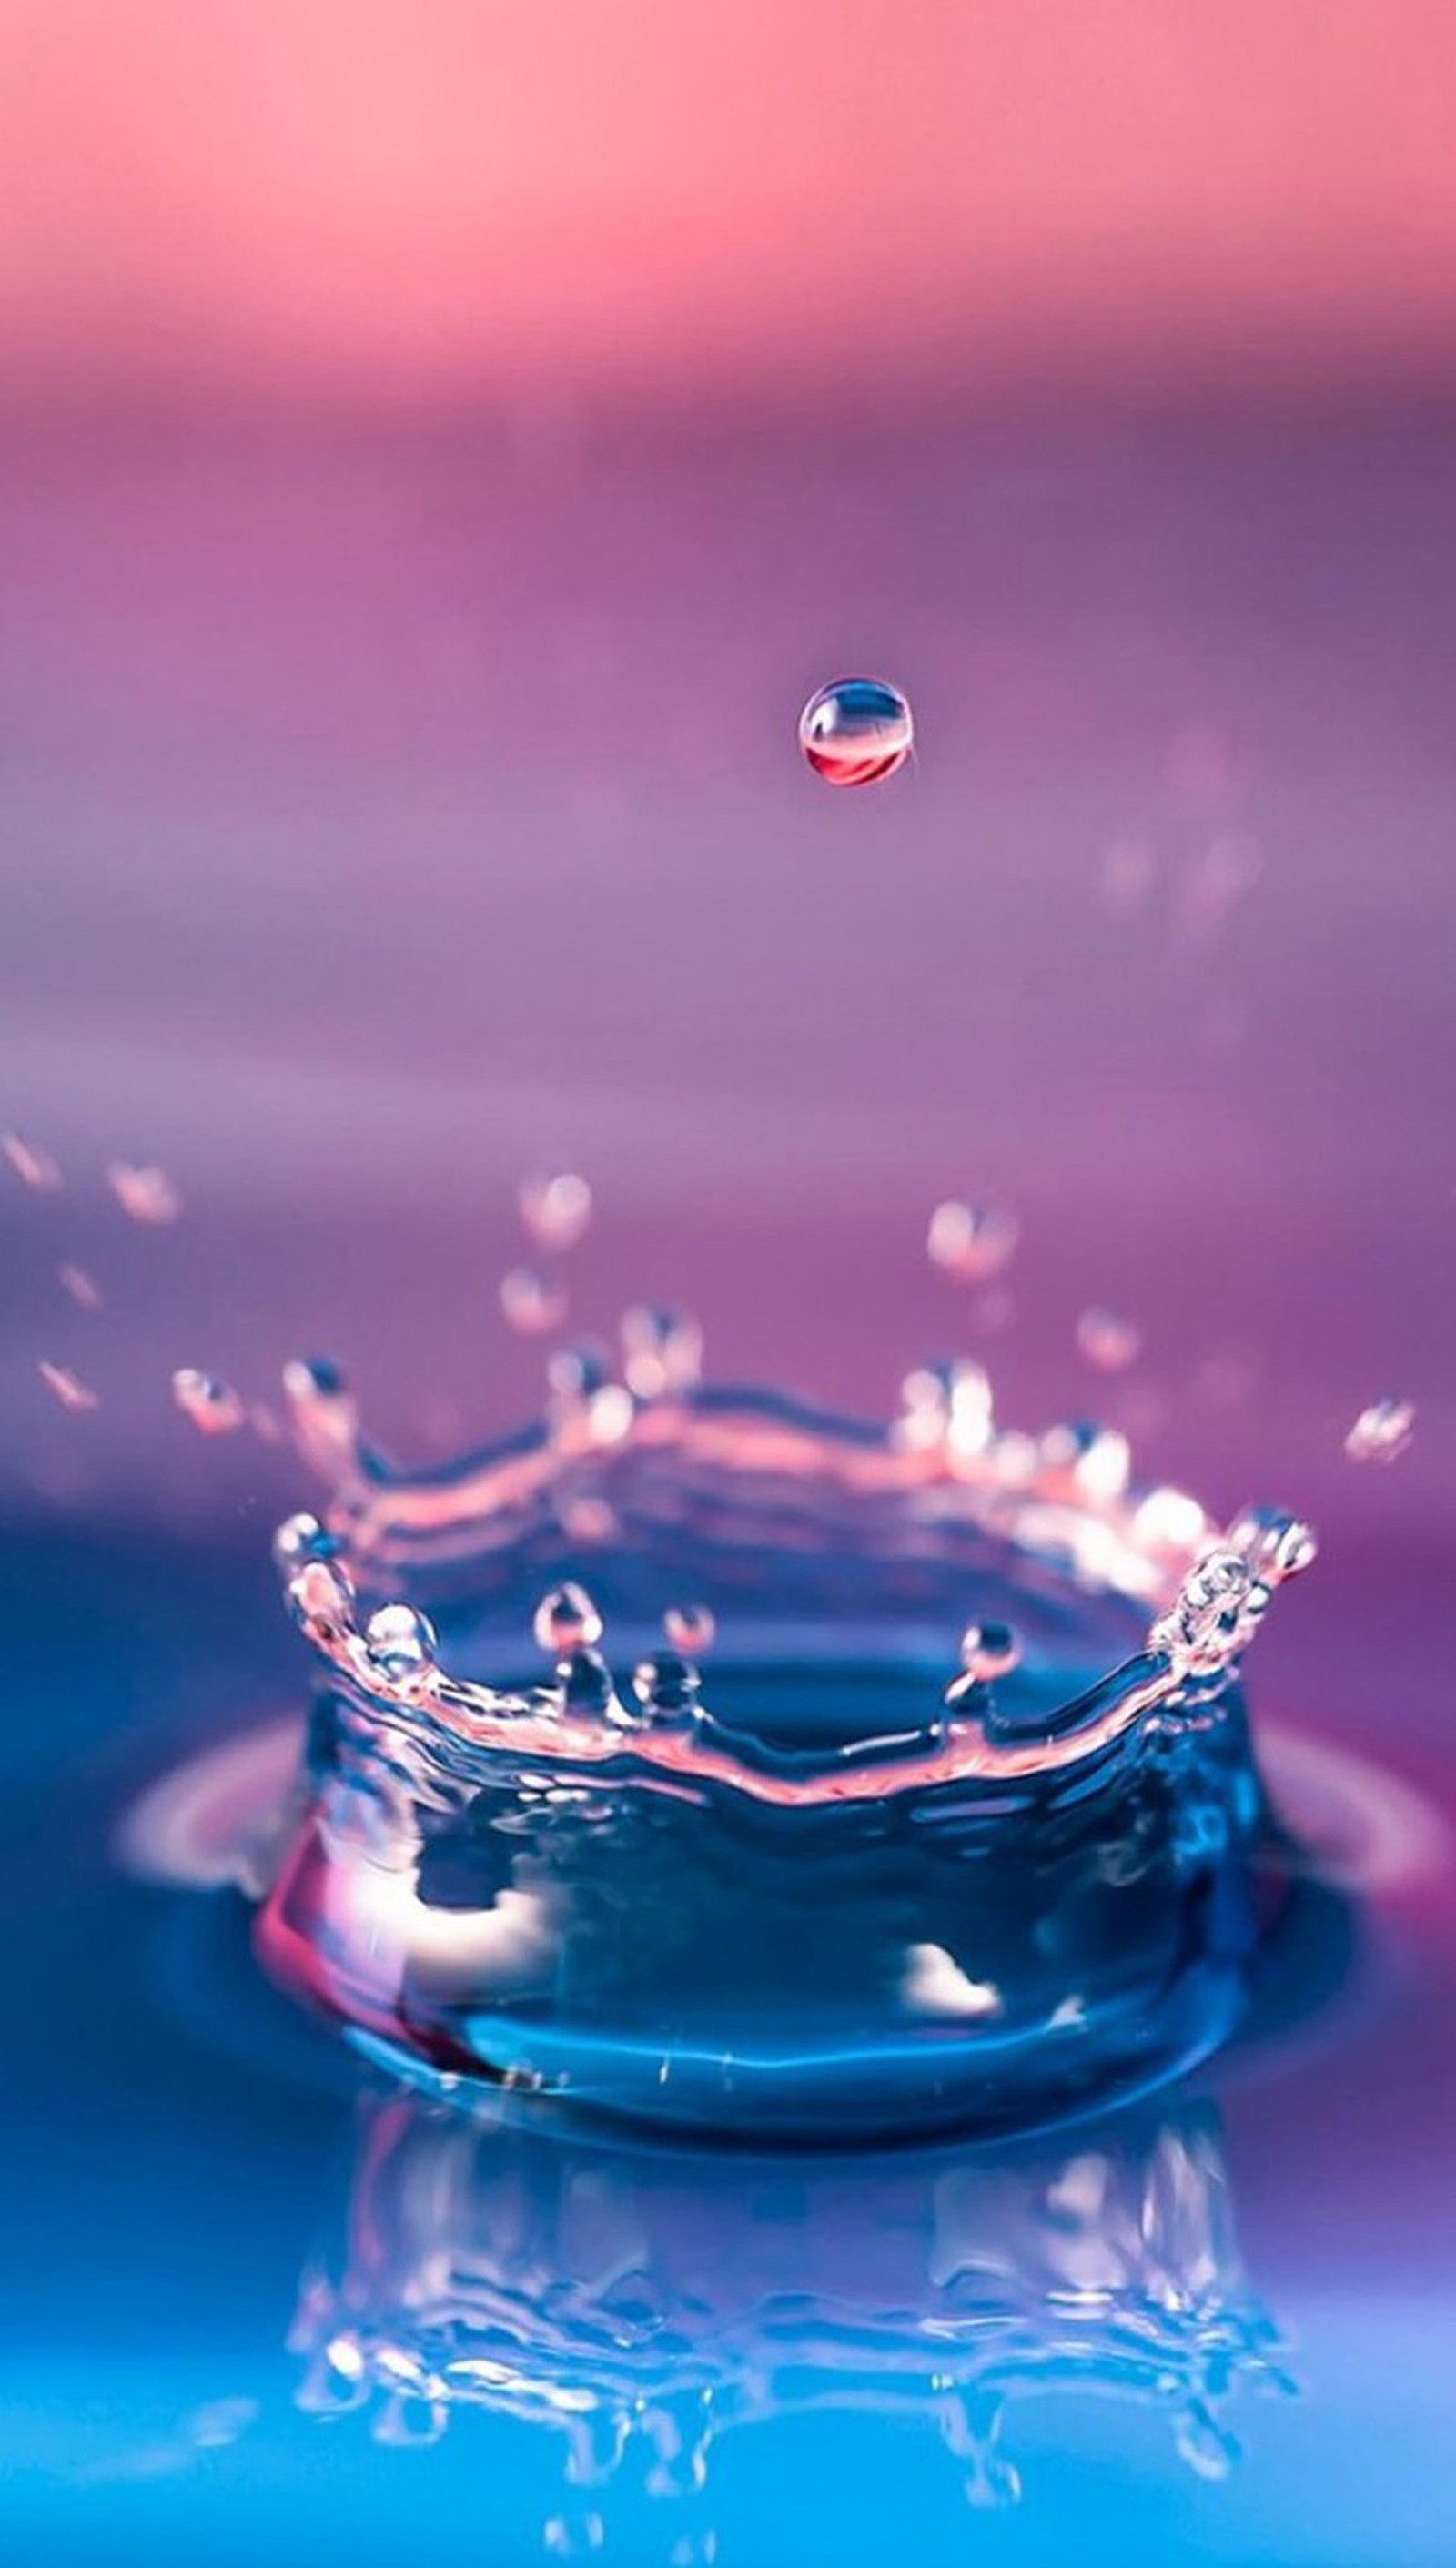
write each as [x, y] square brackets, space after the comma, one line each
[182, 2149]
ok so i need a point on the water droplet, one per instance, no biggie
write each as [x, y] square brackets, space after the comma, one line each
[972, 1241]
[533, 1304]
[320, 1601]
[1276, 1544]
[945, 1405]
[661, 1350]
[83, 1289]
[856, 731]
[566, 1619]
[689, 1628]
[34, 1167]
[586, 1681]
[555, 1210]
[402, 1642]
[68, 1386]
[577, 1373]
[214, 1407]
[1109, 1343]
[1382, 1432]
[667, 1684]
[301, 1538]
[989, 1651]
[145, 1194]
[325, 1413]
[1208, 1621]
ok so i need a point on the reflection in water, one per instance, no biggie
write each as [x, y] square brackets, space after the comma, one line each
[644, 2303]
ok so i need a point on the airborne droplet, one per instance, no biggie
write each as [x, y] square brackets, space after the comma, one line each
[1382, 1432]
[856, 731]
[214, 1407]
[972, 1241]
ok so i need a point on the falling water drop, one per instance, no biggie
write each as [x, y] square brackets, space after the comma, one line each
[1382, 1432]
[856, 731]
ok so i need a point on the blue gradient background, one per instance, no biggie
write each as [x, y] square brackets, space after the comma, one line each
[398, 679]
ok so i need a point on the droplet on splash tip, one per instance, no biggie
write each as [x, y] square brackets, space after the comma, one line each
[402, 1642]
[82, 1288]
[1208, 1621]
[566, 1619]
[989, 1651]
[586, 1681]
[972, 1241]
[67, 1385]
[577, 1373]
[667, 1683]
[212, 1407]
[533, 1304]
[1276, 1544]
[555, 1210]
[299, 1539]
[856, 731]
[1107, 1341]
[34, 1167]
[690, 1628]
[145, 1194]
[661, 1350]
[320, 1601]
[1382, 1432]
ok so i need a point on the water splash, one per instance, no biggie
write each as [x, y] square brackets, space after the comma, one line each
[856, 731]
[941, 1650]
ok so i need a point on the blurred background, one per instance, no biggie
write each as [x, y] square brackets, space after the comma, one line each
[437, 456]
[440, 449]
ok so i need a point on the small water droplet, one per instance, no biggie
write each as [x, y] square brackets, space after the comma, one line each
[1276, 1544]
[989, 1651]
[33, 1166]
[691, 1629]
[402, 1642]
[301, 1538]
[856, 731]
[321, 1600]
[533, 1304]
[1109, 1343]
[83, 1289]
[586, 1681]
[661, 1350]
[566, 1619]
[667, 1684]
[145, 1194]
[1382, 1432]
[214, 1407]
[972, 1241]
[575, 1373]
[1207, 1623]
[67, 1385]
[555, 1210]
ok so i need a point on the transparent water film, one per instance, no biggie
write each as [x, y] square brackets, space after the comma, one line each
[698, 1757]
